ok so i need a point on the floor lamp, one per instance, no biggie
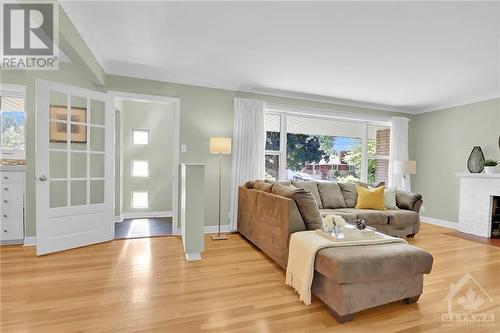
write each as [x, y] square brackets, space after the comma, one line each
[221, 146]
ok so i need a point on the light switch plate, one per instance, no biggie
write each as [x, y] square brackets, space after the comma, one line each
[183, 148]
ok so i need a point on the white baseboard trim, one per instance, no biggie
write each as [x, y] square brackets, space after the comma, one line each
[29, 241]
[212, 229]
[193, 256]
[441, 223]
[138, 215]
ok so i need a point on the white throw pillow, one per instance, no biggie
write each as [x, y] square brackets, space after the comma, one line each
[389, 197]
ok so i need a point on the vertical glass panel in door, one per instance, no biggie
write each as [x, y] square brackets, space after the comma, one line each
[58, 164]
[78, 165]
[78, 137]
[96, 191]
[78, 110]
[58, 193]
[96, 112]
[58, 106]
[97, 139]
[58, 134]
[97, 165]
[78, 120]
[78, 192]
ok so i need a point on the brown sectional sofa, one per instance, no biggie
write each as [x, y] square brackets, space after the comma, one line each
[346, 279]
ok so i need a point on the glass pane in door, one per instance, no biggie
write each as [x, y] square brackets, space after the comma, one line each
[58, 193]
[96, 191]
[78, 165]
[57, 164]
[78, 192]
[58, 108]
[96, 112]
[97, 139]
[78, 123]
[97, 165]
[57, 135]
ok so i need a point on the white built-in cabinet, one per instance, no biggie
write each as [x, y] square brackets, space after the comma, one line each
[12, 181]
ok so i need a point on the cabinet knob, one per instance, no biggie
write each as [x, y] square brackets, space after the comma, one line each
[4, 215]
[5, 188]
[5, 201]
[5, 230]
[5, 177]
[43, 178]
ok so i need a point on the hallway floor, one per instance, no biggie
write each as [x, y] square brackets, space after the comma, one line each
[144, 227]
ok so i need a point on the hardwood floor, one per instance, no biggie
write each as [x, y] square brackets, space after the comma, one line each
[145, 285]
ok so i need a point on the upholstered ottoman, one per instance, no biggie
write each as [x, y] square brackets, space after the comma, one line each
[354, 278]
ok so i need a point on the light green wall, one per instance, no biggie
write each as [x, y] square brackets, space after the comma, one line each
[441, 142]
[158, 119]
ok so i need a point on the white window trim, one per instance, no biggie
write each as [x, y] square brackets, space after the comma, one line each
[14, 90]
[286, 110]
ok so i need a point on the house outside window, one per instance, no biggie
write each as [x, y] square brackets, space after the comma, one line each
[13, 119]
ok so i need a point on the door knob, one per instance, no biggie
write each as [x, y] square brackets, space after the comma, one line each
[43, 178]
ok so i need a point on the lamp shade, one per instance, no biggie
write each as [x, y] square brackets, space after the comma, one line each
[219, 145]
[405, 167]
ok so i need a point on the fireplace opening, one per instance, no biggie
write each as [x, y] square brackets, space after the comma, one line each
[495, 217]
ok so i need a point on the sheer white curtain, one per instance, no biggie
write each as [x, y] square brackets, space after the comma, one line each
[398, 151]
[249, 139]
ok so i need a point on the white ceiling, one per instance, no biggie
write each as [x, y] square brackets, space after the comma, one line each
[407, 56]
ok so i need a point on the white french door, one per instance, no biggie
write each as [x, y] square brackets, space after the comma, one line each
[74, 167]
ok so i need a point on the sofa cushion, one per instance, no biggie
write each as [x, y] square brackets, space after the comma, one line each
[371, 217]
[305, 202]
[390, 198]
[261, 185]
[350, 194]
[331, 195]
[312, 187]
[402, 217]
[370, 199]
[348, 217]
[354, 264]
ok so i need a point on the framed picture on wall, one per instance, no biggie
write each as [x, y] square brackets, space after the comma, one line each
[58, 131]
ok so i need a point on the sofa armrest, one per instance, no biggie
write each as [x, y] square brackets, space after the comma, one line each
[409, 201]
[267, 220]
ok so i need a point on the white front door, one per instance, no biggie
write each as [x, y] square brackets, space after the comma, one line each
[74, 167]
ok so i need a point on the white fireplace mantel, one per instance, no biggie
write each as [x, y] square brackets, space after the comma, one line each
[476, 194]
[477, 175]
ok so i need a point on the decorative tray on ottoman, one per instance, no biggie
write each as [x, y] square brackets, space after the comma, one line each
[351, 233]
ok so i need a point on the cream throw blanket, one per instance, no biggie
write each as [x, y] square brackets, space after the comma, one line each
[302, 253]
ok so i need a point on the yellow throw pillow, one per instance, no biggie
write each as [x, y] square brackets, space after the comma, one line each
[370, 199]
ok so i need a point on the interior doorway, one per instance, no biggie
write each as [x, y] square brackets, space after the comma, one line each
[146, 165]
